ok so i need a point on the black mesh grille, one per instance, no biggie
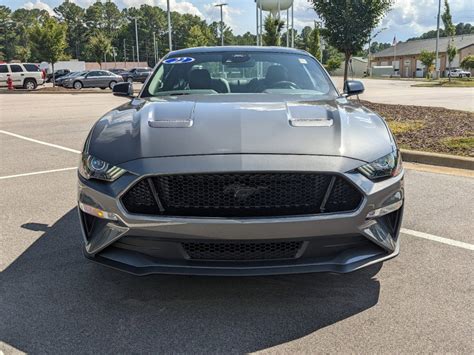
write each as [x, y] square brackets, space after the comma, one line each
[242, 250]
[241, 195]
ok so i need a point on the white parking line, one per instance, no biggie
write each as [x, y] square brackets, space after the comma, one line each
[36, 173]
[435, 238]
[40, 142]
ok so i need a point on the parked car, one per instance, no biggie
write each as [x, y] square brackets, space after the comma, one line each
[117, 70]
[57, 74]
[273, 172]
[60, 81]
[136, 74]
[93, 79]
[24, 75]
[459, 73]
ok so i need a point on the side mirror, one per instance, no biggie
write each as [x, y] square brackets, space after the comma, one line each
[123, 89]
[353, 87]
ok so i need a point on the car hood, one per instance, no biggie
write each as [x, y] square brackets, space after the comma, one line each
[239, 124]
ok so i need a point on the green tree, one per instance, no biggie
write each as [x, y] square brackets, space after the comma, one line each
[273, 27]
[468, 62]
[333, 64]
[73, 15]
[349, 24]
[450, 31]
[98, 46]
[315, 43]
[49, 40]
[197, 37]
[427, 58]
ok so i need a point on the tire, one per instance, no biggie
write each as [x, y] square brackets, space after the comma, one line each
[130, 80]
[112, 84]
[30, 84]
[103, 88]
[77, 85]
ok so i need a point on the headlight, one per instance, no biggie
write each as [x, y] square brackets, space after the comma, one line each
[93, 168]
[388, 165]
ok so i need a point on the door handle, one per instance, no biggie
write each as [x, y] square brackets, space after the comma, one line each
[22, 74]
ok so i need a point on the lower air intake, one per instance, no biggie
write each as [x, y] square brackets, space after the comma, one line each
[243, 251]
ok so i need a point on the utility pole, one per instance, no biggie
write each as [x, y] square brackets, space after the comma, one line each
[136, 39]
[170, 42]
[437, 40]
[125, 52]
[222, 22]
[154, 46]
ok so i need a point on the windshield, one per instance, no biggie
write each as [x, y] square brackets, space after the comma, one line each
[239, 72]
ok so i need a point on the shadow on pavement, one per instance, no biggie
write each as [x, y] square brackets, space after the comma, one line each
[55, 301]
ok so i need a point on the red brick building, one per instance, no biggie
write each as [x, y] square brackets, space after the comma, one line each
[405, 56]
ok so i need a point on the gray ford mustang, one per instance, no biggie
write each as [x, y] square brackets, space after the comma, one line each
[240, 161]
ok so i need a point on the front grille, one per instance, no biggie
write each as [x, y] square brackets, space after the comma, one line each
[242, 250]
[241, 195]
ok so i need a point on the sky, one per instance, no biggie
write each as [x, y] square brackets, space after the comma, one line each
[408, 18]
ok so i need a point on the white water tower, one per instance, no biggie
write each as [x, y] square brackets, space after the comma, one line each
[275, 7]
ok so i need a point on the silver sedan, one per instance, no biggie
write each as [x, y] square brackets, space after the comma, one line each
[93, 79]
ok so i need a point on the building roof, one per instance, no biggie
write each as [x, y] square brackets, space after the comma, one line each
[416, 46]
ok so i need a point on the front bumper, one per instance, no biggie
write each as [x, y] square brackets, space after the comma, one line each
[335, 242]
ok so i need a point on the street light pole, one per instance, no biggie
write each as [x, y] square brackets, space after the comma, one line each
[136, 39]
[437, 40]
[222, 22]
[154, 45]
[169, 25]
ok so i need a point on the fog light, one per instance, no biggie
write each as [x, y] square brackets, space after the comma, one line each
[97, 212]
[393, 204]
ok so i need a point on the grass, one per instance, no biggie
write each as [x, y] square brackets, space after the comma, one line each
[460, 143]
[455, 83]
[400, 127]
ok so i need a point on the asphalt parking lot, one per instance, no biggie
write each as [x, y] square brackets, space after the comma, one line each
[52, 300]
[401, 92]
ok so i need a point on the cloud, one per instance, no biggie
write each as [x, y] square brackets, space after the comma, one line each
[181, 6]
[231, 16]
[38, 5]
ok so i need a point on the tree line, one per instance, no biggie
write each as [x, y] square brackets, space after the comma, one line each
[104, 32]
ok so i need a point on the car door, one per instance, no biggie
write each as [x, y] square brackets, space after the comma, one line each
[104, 79]
[17, 74]
[92, 79]
[4, 74]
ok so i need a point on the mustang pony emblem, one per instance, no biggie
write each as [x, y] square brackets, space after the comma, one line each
[242, 192]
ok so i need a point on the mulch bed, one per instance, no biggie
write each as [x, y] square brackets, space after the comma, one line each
[438, 124]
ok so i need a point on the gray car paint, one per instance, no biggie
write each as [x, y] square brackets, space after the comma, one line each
[239, 132]
[239, 124]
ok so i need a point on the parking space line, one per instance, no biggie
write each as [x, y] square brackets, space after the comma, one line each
[40, 142]
[435, 238]
[36, 173]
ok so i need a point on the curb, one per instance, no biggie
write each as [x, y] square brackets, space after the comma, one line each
[451, 161]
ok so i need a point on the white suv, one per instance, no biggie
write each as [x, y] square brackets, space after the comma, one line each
[459, 73]
[24, 75]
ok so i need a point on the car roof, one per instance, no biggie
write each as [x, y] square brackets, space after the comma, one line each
[220, 49]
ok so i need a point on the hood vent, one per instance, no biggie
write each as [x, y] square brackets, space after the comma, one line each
[309, 115]
[170, 114]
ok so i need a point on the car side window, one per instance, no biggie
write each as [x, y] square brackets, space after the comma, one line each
[31, 67]
[94, 73]
[3, 69]
[16, 68]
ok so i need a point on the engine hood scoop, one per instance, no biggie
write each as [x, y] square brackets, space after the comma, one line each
[238, 124]
[170, 114]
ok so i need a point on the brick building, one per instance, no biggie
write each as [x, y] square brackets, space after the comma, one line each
[406, 62]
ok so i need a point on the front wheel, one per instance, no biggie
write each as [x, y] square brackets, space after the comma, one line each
[29, 84]
[77, 85]
[112, 84]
